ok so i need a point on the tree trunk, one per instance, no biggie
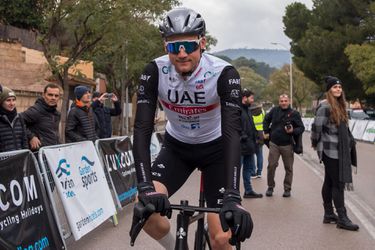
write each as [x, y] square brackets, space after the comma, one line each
[64, 107]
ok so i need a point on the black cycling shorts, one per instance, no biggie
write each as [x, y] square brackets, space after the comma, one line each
[177, 160]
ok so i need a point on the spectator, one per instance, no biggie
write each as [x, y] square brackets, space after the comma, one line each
[258, 118]
[42, 119]
[81, 125]
[103, 114]
[248, 141]
[335, 144]
[12, 128]
[280, 124]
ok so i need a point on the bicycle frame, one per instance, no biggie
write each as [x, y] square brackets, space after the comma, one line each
[185, 218]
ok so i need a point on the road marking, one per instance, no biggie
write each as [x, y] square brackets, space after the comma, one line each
[350, 202]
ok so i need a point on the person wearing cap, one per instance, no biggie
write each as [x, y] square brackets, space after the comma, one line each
[248, 141]
[81, 123]
[13, 135]
[280, 125]
[201, 97]
[104, 114]
[335, 145]
[42, 119]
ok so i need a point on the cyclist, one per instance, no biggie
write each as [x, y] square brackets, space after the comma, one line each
[201, 98]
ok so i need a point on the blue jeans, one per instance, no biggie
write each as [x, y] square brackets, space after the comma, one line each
[246, 172]
[259, 154]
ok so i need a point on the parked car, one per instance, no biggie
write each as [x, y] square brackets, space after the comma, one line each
[370, 113]
[357, 114]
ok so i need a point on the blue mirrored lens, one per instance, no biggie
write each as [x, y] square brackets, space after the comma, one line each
[188, 46]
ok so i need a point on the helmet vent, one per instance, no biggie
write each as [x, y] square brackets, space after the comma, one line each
[187, 21]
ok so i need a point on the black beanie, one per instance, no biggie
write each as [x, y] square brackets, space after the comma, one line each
[80, 90]
[330, 81]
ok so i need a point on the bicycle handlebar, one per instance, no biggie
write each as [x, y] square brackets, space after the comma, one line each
[142, 213]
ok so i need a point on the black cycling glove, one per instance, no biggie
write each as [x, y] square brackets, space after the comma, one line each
[241, 223]
[147, 194]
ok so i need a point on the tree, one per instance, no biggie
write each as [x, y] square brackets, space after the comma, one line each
[75, 28]
[362, 60]
[252, 81]
[260, 68]
[25, 14]
[304, 90]
[320, 36]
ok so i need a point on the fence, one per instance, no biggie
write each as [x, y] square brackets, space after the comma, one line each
[62, 191]
[363, 130]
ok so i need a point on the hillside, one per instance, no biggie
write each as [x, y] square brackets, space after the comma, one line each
[273, 57]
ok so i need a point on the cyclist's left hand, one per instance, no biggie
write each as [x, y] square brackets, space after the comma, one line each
[241, 221]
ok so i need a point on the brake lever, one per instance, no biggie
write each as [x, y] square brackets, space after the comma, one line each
[234, 229]
[142, 213]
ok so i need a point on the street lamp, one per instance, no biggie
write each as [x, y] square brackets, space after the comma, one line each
[290, 72]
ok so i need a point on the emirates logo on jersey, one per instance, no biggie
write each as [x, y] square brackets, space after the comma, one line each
[189, 110]
[199, 86]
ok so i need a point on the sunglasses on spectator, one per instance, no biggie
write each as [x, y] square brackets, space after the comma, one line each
[189, 46]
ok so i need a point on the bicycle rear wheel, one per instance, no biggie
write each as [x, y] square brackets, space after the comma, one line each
[200, 240]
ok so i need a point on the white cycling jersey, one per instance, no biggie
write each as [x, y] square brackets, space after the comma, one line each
[192, 106]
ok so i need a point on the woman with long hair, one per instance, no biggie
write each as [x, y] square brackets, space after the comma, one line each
[335, 145]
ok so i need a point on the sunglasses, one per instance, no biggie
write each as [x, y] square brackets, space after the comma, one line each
[188, 46]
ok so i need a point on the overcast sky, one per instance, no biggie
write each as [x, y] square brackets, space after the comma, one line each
[244, 23]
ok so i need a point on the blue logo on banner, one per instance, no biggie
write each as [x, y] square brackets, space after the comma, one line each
[88, 175]
[91, 163]
[63, 168]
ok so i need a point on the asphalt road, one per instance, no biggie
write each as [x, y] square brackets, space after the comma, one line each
[280, 223]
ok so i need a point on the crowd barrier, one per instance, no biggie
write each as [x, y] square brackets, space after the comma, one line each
[26, 219]
[70, 190]
[363, 130]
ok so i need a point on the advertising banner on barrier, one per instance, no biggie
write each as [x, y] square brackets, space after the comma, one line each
[118, 159]
[359, 129]
[26, 221]
[369, 134]
[307, 122]
[82, 186]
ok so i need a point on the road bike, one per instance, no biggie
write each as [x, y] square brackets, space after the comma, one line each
[188, 214]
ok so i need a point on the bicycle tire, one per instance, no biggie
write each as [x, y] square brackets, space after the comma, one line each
[200, 245]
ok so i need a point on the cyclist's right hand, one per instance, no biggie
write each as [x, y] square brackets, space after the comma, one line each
[240, 222]
[148, 195]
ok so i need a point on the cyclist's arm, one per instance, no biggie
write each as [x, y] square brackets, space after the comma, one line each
[144, 122]
[229, 90]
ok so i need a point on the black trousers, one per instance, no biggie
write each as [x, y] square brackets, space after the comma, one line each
[332, 189]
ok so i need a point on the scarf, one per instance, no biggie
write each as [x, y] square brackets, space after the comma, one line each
[82, 105]
[10, 114]
[345, 161]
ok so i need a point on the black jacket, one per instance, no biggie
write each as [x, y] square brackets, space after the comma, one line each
[80, 125]
[274, 125]
[103, 116]
[12, 134]
[43, 122]
[248, 132]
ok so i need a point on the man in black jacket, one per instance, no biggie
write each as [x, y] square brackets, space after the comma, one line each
[248, 142]
[104, 114]
[81, 125]
[280, 124]
[42, 119]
